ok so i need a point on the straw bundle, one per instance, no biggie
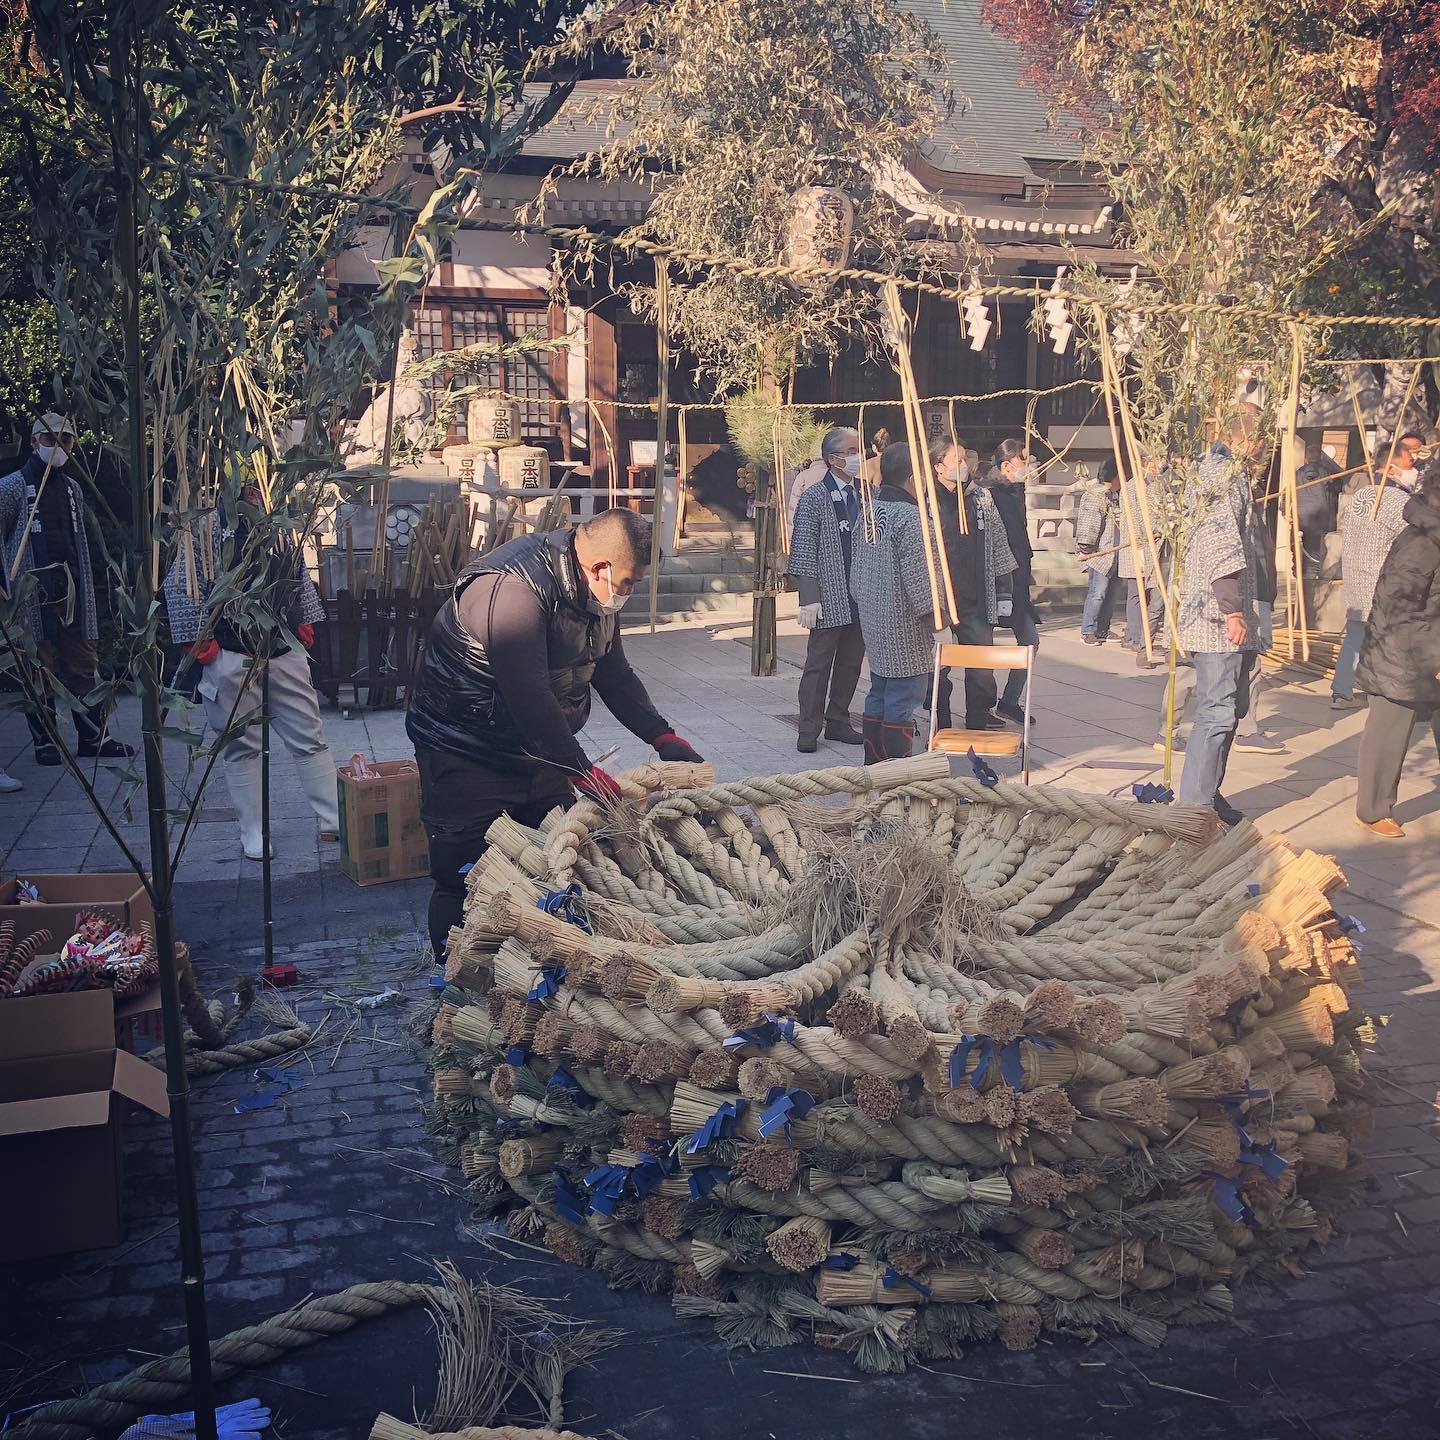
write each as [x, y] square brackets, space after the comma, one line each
[897, 1062]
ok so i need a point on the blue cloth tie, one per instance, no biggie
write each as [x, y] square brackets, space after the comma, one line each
[567, 904]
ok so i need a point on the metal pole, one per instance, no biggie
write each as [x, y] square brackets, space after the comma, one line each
[125, 49]
[265, 887]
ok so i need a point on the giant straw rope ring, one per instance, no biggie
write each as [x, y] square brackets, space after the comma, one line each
[897, 1060]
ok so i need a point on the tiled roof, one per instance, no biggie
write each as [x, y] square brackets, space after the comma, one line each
[1001, 124]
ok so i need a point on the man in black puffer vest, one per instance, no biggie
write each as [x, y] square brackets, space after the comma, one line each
[505, 688]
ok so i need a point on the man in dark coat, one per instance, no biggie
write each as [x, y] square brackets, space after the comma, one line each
[505, 686]
[1006, 479]
[1400, 664]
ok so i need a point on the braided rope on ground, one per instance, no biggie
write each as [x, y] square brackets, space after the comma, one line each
[1058, 1068]
[161, 1385]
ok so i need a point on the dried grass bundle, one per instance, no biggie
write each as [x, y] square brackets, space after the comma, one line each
[659, 1061]
[715, 1069]
[1020, 1326]
[890, 879]
[1049, 1249]
[799, 1244]
[878, 1099]
[854, 1013]
[530, 1156]
[1141, 1101]
[772, 1167]
[759, 1076]
[1048, 1109]
[1328, 1152]
[1099, 1020]
[1037, 1185]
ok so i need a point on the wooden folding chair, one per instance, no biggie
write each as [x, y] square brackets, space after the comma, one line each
[984, 742]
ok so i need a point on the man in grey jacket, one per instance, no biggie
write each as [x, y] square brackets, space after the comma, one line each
[1217, 623]
[827, 517]
[52, 597]
[890, 581]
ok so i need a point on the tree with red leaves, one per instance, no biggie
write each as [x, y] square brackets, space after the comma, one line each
[1379, 60]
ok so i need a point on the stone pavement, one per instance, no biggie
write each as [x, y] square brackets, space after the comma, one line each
[338, 1182]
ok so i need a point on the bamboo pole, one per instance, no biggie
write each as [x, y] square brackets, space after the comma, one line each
[1110, 372]
[919, 460]
[1129, 497]
[1395, 436]
[662, 426]
[1289, 497]
[126, 55]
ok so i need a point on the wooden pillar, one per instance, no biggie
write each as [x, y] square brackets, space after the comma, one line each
[602, 369]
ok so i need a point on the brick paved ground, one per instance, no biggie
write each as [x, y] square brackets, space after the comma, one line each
[338, 1184]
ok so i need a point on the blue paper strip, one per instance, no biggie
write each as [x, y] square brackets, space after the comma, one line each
[569, 1203]
[567, 904]
[839, 1261]
[717, 1126]
[983, 773]
[1152, 794]
[551, 978]
[893, 1279]
[781, 1107]
[704, 1180]
[770, 1031]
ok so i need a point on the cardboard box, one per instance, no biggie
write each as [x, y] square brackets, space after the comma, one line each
[381, 835]
[121, 895]
[63, 1085]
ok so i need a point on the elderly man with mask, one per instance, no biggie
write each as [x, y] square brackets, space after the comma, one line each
[1373, 523]
[821, 547]
[528, 631]
[42, 527]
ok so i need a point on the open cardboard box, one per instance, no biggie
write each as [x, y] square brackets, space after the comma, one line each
[382, 837]
[63, 1084]
[64, 896]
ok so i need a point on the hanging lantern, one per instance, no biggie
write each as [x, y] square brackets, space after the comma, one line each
[524, 467]
[820, 232]
[493, 423]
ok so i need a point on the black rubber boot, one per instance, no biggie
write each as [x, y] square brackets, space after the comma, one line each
[874, 734]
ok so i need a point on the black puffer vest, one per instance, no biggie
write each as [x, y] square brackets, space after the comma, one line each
[457, 707]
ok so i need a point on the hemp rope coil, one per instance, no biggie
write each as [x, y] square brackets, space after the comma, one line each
[908, 1027]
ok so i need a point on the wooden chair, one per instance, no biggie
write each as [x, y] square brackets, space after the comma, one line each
[984, 742]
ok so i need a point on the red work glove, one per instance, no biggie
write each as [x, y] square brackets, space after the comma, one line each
[305, 634]
[205, 652]
[670, 746]
[600, 786]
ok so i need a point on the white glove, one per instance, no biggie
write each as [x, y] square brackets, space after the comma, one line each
[809, 615]
[1004, 609]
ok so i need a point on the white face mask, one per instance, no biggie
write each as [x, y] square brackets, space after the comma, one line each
[52, 455]
[850, 464]
[611, 606]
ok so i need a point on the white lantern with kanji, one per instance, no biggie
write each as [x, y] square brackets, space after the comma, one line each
[820, 231]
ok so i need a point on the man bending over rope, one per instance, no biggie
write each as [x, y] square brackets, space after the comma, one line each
[505, 689]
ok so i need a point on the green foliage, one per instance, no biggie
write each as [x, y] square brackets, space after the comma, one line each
[756, 424]
[736, 106]
[1213, 144]
[245, 136]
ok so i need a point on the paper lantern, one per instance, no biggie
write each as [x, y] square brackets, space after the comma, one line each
[821, 230]
[493, 423]
[524, 467]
